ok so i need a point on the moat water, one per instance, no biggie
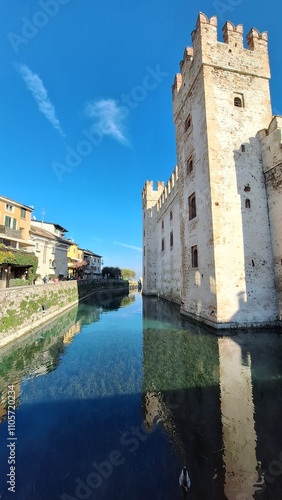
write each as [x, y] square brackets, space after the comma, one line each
[113, 398]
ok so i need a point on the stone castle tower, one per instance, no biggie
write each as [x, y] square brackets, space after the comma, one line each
[211, 234]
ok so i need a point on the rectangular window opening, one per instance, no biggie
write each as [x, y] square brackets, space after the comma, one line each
[9, 207]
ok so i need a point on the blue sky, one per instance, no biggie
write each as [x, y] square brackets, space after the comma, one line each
[86, 109]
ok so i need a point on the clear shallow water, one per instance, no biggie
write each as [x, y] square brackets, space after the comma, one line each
[111, 403]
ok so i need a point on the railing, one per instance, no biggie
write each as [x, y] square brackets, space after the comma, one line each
[11, 233]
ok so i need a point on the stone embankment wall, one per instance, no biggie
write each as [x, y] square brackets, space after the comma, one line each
[25, 308]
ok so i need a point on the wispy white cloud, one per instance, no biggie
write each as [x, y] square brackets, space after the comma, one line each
[139, 249]
[40, 94]
[108, 119]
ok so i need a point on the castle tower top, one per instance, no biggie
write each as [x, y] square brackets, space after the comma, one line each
[229, 54]
[150, 196]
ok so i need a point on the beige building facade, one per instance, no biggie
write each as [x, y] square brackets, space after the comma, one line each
[212, 235]
[51, 248]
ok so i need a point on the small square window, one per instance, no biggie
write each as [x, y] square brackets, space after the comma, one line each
[194, 256]
[9, 207]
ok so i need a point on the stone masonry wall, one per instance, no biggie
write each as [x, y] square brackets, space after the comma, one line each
[26, 308]
[271, 141]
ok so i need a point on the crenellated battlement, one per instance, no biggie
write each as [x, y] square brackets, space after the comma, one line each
[230, 54]
[163, 194]
[271, 143]
[150, 195]
[257, 40]
[149, 191]
[233, 34]
[169, 191]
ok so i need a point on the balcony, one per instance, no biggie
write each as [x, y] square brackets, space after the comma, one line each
[11, 233]
[14, 238]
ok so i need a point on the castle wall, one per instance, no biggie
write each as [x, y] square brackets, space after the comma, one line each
[271, 141]
[161, 251]
[168, 242]
[221, 99]
[150, 256]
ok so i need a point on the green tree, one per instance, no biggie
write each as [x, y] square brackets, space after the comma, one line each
[128, 274]
[111, 272]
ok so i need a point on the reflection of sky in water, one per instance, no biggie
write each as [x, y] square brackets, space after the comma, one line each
[102, 377]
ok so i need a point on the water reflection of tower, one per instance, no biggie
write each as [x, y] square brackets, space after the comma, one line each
[181, 394]
[238, 425]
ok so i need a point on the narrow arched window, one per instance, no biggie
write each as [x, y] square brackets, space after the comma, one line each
[189, 165]
[192, 206]
[194, 256]
[238, 102]
[187, 123]
[247, 203]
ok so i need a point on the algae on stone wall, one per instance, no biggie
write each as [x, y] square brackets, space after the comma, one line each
[23, 308]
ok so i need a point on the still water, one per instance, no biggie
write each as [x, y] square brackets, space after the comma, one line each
[113, 398]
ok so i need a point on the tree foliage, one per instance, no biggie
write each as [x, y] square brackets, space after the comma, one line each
[12, 256]
[111, 272]
[128, 274]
